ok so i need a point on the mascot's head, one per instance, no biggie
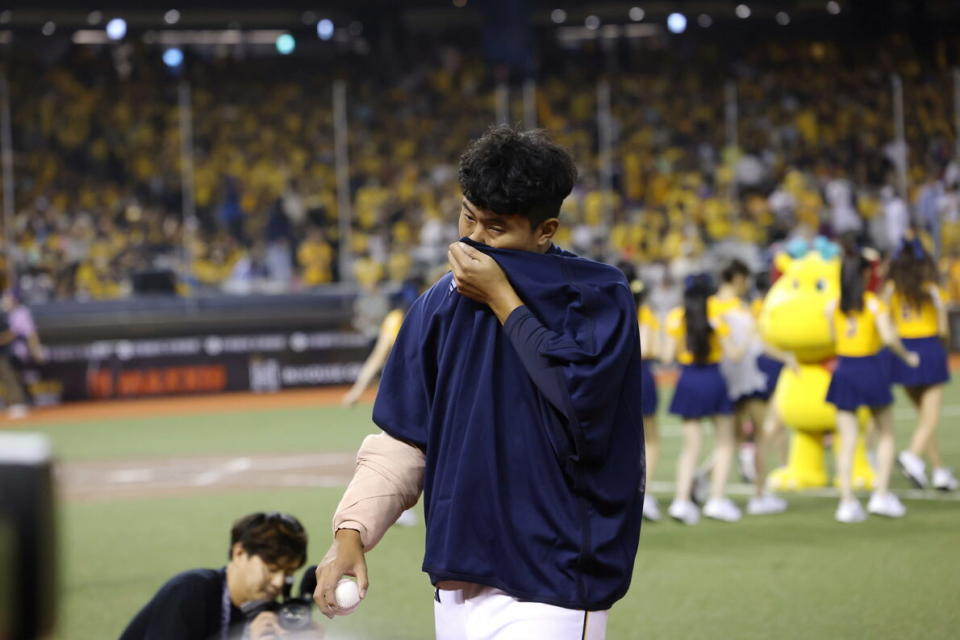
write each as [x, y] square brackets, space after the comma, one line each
[793, 316]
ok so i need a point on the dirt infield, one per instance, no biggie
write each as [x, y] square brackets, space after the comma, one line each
[184, 405]
[155, 477]
[134, 479]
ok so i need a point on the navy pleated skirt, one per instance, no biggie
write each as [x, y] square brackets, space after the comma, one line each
[648, 388]
[933, 367]
[770, 368]
[860, 382]
[701, 391]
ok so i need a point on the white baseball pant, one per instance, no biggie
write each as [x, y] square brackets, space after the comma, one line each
[485, 613]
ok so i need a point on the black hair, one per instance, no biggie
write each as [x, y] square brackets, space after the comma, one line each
[735, 268]
[910, 269]
[512, 172]
[761, 281]
[637, 287]
[852, 284]
[697, 289]
[275, 537]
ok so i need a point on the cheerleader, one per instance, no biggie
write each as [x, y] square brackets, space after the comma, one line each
[747, 383]
[698, 343]
[920, 318]
[649, 348]
[861, 326]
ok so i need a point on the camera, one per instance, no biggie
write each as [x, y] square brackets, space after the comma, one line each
[294, 613]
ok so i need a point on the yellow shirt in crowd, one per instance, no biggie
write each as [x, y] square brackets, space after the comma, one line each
[856, 332]
[916, 323]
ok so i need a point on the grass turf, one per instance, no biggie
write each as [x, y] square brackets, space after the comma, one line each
[790, 576]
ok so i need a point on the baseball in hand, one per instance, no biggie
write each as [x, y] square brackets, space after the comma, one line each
[347, 595]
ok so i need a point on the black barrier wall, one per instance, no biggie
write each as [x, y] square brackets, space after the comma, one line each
[157, 347]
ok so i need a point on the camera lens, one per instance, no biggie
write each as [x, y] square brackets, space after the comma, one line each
[294, 615]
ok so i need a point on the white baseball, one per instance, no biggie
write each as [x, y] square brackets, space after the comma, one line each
[347, 595]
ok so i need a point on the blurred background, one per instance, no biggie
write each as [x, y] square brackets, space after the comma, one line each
[232, 197]
[182, 163]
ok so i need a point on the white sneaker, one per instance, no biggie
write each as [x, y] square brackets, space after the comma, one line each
[766, 504]
[886, 504]
[18, 411]
[747, 459]
[407, 519]
[700, 490]
[684, 511]
[849, 511]
[721, 509]
[913, 467]
[651, 510]
[944, 480]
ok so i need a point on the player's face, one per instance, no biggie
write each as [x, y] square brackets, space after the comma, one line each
[253, 579]
[504, 232]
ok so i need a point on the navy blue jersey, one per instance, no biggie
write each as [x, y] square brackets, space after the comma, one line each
[532, 431]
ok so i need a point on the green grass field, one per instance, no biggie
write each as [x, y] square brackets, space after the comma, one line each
[798, 575]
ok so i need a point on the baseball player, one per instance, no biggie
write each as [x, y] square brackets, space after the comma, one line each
[512, 400]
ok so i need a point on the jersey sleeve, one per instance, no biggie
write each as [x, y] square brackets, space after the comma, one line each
[581, 370]
[402, 406]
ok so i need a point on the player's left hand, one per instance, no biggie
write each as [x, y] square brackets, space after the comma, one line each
[479, 277]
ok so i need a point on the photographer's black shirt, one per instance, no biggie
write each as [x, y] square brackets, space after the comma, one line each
[188, 607]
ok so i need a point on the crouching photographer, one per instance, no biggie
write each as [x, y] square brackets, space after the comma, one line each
[249, 598]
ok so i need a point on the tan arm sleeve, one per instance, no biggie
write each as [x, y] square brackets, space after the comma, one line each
[388, 479]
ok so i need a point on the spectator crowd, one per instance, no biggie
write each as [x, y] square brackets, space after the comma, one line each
[98, 161]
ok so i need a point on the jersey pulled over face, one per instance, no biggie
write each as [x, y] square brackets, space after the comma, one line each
[503, 231]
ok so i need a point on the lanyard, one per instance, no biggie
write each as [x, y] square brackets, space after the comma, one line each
[225, 610]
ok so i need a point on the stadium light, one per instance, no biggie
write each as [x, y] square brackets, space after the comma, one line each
[783, 18]
[704, 20]
[833, 7]
[743, 11]
[637, 14]
[173, 57]
[459, 4]
[94, 18]
[171, 17]
[286, 44]
[325, 29]
[677, 23]
[117, 29]
[592, 23]
[48, 28]
[5, 16]
[559, 16]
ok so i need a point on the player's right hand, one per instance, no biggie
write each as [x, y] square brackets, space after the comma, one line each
[345, 558]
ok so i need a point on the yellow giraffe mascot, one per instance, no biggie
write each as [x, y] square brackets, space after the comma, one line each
[793, 319]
